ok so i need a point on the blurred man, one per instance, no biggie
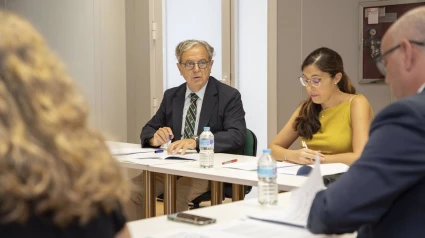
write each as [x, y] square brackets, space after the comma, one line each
[383, 193]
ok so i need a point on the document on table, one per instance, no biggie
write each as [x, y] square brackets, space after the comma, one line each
[194, 233]
[326, 169]
[239, 228]
[252, 165]
[296, 213]
[128, 151]
[135, 158]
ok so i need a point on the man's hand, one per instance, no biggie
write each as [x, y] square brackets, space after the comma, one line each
[181, 144]
[161, 136]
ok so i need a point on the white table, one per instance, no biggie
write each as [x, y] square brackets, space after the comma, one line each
[217, 175]
[223, 213]
[149, 176]
[226, 175]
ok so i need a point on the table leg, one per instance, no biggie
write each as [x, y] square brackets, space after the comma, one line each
[220, 193]
[216, 192]
[150, 199]
[169, 194]
[238, 192]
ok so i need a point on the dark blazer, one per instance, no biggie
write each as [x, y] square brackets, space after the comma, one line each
[222, 111]
[383, 193]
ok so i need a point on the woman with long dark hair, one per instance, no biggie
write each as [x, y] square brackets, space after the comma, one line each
[333, 122]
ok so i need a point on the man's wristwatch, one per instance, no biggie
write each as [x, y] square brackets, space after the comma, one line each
[196, 138]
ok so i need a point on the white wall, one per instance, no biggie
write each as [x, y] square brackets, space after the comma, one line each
[89, 36]
[184, 21]
[138, 67]
[252, 66]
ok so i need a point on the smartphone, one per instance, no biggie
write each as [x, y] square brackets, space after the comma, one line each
[189, 218]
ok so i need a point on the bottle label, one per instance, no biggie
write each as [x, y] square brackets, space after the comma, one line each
[267, 172]
[206, 143]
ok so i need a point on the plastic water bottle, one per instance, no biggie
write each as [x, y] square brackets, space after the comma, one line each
[206, 148]
[267, 176]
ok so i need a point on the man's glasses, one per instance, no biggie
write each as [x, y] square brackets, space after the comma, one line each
[314, 81]
[380, 62]
[189, 65]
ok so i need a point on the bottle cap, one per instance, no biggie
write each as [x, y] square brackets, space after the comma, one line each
[267, 150]
[206, 128]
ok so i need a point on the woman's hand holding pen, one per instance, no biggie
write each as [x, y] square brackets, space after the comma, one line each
[306, 156]
[310, 155]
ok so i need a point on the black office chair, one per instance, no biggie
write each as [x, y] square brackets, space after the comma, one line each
[250, 150]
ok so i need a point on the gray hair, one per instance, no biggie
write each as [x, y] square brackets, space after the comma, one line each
[189, 44]
[411, 25]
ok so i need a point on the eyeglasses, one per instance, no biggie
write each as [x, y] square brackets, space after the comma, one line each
[313, 81]
[189, 65]
[380, 62]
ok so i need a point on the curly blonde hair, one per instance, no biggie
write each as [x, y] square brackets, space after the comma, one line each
[50, 161]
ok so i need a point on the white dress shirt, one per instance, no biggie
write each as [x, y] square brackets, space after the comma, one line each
[200, 94]
[421, 88]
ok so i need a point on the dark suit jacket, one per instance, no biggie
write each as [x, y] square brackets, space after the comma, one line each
[383, 193]
[222, 111]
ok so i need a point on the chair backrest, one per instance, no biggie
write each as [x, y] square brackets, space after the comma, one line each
[250, 143]
[251, 150]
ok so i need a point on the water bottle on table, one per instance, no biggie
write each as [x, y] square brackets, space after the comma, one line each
[206, 148]
[267, 176]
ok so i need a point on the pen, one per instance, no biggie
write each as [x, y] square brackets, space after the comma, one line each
[159, 151]
[169, 142]
[305, 146]
[230, 161]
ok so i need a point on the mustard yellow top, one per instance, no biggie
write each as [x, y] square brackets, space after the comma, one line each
[335, 135]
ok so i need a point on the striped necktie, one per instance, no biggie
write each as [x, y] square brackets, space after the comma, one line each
[189, 126]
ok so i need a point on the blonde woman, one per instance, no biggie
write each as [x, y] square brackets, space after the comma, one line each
[57, 178]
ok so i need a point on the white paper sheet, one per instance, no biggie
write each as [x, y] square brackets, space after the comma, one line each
[326, 169]
[252, 165]
[194, 233]
[373, 16]
[296, 213]
[135, 158]
[128, 151]
[239, 228]
[255, 228]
